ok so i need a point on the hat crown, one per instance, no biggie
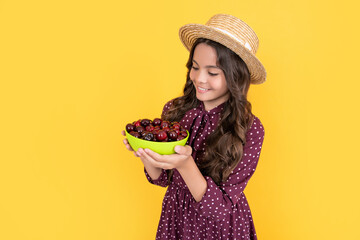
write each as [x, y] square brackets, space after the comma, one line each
[236, 29]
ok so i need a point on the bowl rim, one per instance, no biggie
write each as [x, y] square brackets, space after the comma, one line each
[168, 143]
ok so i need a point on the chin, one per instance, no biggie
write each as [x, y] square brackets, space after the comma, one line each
[201, 98]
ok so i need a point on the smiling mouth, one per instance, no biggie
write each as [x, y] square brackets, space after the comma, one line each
[202, 90]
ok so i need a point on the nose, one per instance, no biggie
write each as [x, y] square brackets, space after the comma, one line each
[200, 77]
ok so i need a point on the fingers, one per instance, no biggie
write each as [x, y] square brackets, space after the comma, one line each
[127, 145]
[125, 141]
[183, 150]
[154, 155]
[146, 157]
[166, 161]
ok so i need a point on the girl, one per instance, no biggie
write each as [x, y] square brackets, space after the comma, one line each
[207, 177]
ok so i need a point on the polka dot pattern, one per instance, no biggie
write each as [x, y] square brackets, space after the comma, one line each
[223, 212]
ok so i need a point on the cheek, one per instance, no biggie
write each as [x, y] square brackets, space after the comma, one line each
[220, 84]
[224, 85]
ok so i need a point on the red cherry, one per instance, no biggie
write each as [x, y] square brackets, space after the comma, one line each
[165, 124]
[172, 135]
[137, 123]
[140, 129]
[166, 129]
[143, 134]
[145, 122]
[149, 128]
[149, 136]
[157, 122]
[130, 127]
[175, 125]
[161, 136]
[135, 134]
[179, 138]
[183, 133]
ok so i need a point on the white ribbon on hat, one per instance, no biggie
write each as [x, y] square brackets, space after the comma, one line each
[247, 45]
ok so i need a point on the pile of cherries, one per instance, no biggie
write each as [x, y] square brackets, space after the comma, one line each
[157, 130]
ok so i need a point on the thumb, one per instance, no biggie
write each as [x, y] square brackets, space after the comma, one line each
[183, 150]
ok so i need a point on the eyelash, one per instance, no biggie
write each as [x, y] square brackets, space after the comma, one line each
[211, 74]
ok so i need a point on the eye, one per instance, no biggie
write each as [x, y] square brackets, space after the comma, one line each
[213, 74]
[195, 68]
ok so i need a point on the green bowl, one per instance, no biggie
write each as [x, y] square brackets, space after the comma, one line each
[163, 148]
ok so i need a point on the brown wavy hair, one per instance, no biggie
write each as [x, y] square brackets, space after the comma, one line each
[224, 146]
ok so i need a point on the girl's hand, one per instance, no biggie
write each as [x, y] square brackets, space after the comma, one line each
[153, 171]
[177, 160]
[127, 145]
[184, 163]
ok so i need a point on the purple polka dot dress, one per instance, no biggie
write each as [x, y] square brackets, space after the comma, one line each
[223, 212]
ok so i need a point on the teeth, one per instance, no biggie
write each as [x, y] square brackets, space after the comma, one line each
[203, 89]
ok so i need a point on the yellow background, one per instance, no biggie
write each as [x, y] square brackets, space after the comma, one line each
[73, 73]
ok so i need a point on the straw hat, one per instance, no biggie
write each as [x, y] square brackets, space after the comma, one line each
[232, 33]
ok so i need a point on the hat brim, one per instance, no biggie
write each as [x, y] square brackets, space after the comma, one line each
[190, 32]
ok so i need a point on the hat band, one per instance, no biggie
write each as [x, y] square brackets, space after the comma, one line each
[246, 45]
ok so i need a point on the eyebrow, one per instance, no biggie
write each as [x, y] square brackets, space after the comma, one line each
[208, 66]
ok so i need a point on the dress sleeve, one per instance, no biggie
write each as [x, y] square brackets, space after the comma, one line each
[162, 180]
[218, 201]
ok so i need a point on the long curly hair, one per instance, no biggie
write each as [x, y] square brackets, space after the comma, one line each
[224, 146]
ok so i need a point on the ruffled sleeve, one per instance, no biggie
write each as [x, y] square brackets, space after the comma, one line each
[218, 201]
[162, 180]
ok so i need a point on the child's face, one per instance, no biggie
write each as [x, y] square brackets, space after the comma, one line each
[209, 80]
